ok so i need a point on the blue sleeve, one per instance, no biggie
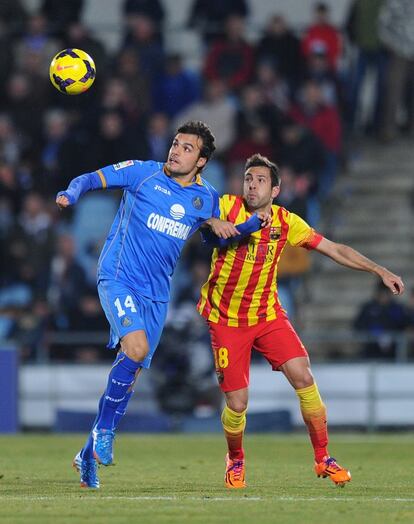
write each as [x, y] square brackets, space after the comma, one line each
[215, 213]
[124, 175]
[251, 225]
[80, 185]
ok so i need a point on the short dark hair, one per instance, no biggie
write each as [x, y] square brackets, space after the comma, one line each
[260, 160]
[196, 127]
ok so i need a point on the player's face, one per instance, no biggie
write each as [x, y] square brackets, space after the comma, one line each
[184, 155]
[257, 188]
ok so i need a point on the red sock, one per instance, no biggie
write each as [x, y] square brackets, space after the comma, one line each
[235, 445]
[318, 432]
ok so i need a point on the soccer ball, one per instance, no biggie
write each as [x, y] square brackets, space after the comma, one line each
[72, 71]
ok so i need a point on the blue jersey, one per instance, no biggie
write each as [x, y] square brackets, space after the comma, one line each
[156, 216]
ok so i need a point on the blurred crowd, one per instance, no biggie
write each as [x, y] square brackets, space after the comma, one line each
[292, 94]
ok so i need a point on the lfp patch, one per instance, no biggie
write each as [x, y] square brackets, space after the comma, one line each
[120, 165]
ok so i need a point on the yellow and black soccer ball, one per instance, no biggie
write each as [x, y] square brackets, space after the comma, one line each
[72, 71]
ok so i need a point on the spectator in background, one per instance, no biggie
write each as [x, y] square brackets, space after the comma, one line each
[6, 55]
[274, 89]
[24, 109]
[113, 143]
[255, 110]
[118, 97]
[88, 317]
[362, 30]
[11, 142]
[128, 70]
[281, 48]
[319, 69]
[396, 32]
[59, 152]
[231, 58]
[60, 15]
[218, 110]
[143, 39]
[152, 9]
[313, 113]
[257, 140]
[294, 264]
[158, 136]
[13, 18]
[301, 150]
[176, 88]
[36, 42]
[31, 243]
[381, 318]
[10, 199]
[209, 16]
[322, 32]
[294, 190]
[79, 36]
[67, 280]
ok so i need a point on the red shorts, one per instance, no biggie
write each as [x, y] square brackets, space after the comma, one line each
[232, 347]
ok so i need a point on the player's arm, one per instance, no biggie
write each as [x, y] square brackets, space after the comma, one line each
[120, 176]
[215, 237]
[349, 257]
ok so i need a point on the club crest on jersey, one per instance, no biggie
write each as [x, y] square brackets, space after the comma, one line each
[177, 211]
[275, 233]
[198, 202]
[120, 165]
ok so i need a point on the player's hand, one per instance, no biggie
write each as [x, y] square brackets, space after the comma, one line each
[62, 201]
[393, 282]
[265, 217]
[222, 228]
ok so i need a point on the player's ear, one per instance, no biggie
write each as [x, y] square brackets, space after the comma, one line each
[275, 191]
[201, 162]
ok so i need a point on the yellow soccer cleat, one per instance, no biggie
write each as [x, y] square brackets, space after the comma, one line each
[235, 473]
[330, 468]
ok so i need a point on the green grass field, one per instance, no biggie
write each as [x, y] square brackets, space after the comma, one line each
[179, 479]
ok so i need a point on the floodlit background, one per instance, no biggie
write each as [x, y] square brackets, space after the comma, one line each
[327, 93]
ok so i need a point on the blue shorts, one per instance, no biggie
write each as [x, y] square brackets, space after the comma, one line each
[127, 311]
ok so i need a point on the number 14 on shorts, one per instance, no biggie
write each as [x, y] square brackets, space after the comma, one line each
[128, 304]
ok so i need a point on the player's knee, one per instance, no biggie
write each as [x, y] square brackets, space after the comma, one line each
[304, 380]
[237, 405]
[135, 351]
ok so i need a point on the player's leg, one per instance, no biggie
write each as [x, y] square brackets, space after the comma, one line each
[125, 313]
[232, 349]
[119, 413]
[298, 372]
[233, 419]
[282, 347]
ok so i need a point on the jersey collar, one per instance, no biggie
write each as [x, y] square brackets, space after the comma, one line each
[196, 180]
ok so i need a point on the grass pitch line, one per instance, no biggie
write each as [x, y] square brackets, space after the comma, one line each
[215, 499]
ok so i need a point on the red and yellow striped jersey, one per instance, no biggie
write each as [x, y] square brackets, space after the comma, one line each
[241, 289]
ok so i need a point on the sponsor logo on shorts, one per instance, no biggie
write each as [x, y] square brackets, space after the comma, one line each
[120, 165]
[126, 321]
[198, 202]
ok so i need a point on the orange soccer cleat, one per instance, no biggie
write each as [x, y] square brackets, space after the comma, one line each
[235, 473]
[330, 468]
